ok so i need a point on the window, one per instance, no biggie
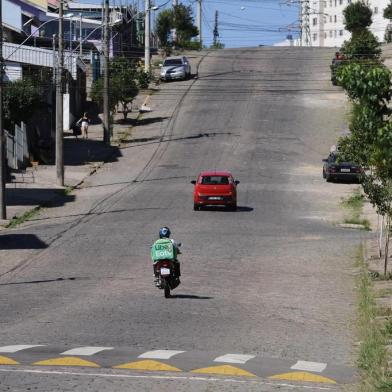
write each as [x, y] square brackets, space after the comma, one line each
[330, 33]
[325, 19]
[314, 37]
[325, 4]
[314, 21]
[330, 3]
[325, 35]
[336, 34]
[215, 180]
[375, 10]
[330, 18]
[336, 3]
[340, 32]
[348, 1]
[335, 19]
[340, 2]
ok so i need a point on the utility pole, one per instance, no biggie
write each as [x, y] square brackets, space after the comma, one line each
[54, 68]
[80, 36]
[300, 18]
[306, 23]
[106, 117]
[59, 103]
[199, 20]
[3, 213]
[147, 36]
[216, 32]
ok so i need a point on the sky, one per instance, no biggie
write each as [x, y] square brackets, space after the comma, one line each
[244, 23]
[241, 23]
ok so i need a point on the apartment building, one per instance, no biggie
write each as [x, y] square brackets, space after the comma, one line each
[325, 20]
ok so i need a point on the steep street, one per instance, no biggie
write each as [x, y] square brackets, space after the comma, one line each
[272, 282]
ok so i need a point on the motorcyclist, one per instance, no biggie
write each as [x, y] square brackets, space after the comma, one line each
[164, 233]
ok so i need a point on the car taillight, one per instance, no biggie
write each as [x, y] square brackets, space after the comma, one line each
[358, 170]
[333, 169]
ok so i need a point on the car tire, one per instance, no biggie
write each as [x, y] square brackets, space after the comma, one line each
[324, 175]
[196, 207]
[232, 207]
[328, 178]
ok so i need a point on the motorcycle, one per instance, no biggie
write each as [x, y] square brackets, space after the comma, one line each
[167, 273]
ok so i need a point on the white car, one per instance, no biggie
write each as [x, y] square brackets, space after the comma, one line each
[175, 68]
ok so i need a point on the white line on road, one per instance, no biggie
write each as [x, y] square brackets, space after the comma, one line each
[18, 347]
[234, 358]
[160, 354]
[158, 377]
[88, 350]
[309, 366]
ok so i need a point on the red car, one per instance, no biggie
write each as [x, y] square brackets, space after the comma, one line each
[215, 188]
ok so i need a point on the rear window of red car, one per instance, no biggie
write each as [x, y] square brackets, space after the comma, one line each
[215, 180]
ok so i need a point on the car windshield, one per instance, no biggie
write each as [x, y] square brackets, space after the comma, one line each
[215, 180]
[172, 62]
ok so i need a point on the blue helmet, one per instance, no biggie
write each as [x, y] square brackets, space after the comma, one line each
[164, 232]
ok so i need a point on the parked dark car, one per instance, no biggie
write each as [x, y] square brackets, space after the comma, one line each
[336, 170]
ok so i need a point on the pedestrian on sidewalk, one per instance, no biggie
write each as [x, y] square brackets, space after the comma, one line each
[83, 123]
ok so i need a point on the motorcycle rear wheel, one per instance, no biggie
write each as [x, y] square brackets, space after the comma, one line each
[166, 288]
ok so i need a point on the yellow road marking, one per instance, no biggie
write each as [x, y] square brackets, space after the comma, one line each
[148, 365]
[226, 370]
[302, 376]
[66, 361]
[7, 361]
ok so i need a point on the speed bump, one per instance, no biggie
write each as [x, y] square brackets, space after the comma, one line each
[7, 361]
[226, 370]
[302, 376]
[149, 365]
[66, 361]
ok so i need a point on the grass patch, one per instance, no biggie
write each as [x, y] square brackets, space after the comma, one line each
[67, 190]
[373, 356]
[23, 218]
[354, 201]
[354, 206]
[357, 221]
[375, 275]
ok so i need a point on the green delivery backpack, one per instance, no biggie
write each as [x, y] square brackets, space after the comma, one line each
[163, 249]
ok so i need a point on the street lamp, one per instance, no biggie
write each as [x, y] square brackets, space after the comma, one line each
[147, 9]
[147, 36]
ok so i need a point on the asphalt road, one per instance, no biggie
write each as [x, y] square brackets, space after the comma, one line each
[274, 279]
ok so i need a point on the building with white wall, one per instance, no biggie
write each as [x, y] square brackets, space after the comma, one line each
[326, 21]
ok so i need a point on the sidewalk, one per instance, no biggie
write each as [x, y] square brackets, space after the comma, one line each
[36, 187]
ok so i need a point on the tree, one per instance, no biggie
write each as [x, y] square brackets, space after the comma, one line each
[388, 11]
[123, 86]
[217, 45]
[21, 99]
[123, 76]
[363, 44]
[183, 22]
[368, 85]
[357, 17]
[388, 15]
[179, 18]
[164, 24]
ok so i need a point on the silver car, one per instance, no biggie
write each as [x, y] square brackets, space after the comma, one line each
[175, 68]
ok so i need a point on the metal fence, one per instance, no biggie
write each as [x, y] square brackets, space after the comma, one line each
[17, 152]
